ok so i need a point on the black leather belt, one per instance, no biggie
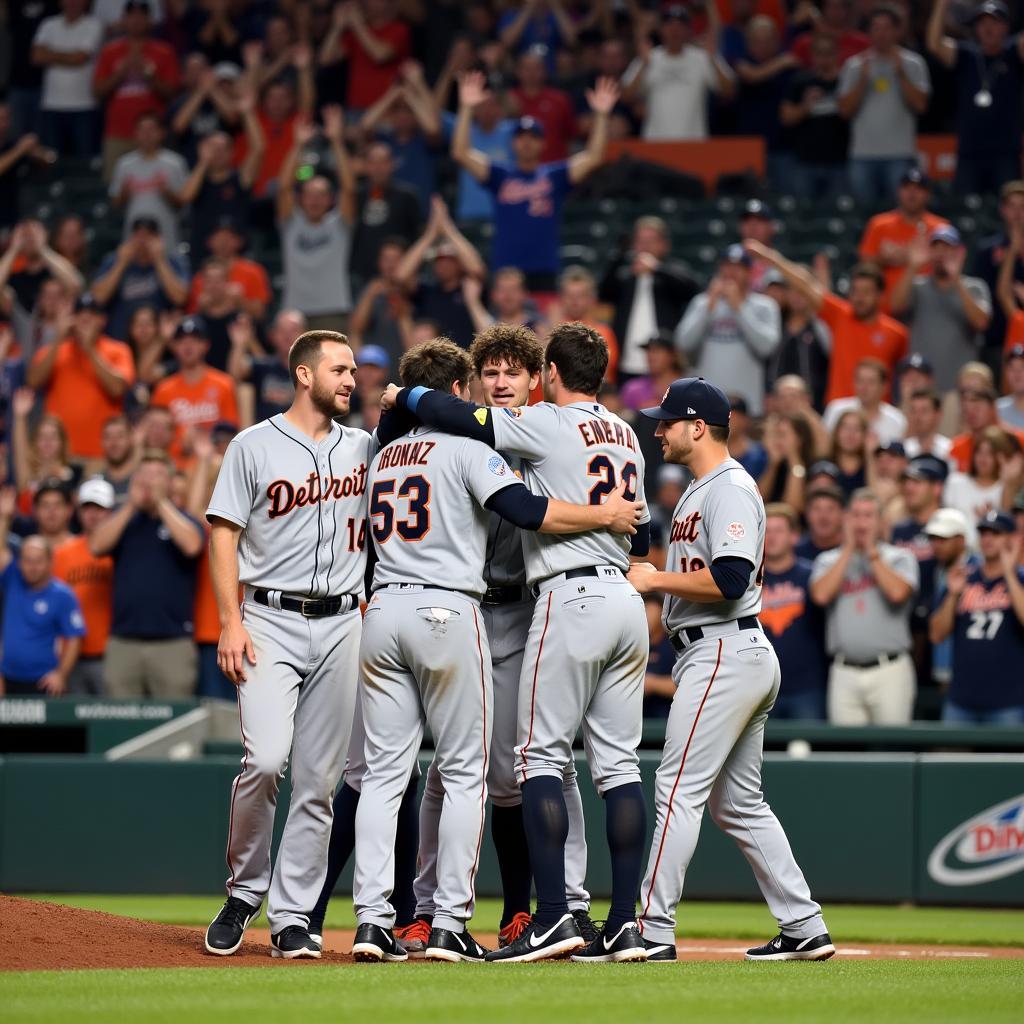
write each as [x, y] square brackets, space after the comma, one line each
[505, 595]
[882, 659]
[569, 574]
[695, 633]
[311, 607]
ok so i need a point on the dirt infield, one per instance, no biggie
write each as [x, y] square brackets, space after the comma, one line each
[48, 936]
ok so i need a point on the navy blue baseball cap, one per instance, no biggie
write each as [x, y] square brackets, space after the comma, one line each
[990, 9]
[1016, 352]
[892, 448]
[736, 254]
[87, 301]
[192, 326]
[915, 362]
[692, 398]
[997, 522]
[947, 233]
[529, 125]
[915, 176]
[756, 208]
[927, 467]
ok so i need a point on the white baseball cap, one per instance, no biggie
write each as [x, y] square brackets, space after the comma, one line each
[97, 491]
[946, 523]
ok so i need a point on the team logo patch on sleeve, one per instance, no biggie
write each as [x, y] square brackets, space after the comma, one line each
[736, 530]
[480, 416]
[513, 413]
[496, 464]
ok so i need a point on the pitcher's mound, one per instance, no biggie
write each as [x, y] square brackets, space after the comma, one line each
[49, 936]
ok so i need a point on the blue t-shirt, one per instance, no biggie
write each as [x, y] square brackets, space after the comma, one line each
[474, 201]
[154, 582]
[139, 286]
[415, 165]
[796, 627]
[527, 213]
[272, 384]
[754, 460]
[542, 31]
[993, 130]
[660, 662]
[33, 622]
[988, 646]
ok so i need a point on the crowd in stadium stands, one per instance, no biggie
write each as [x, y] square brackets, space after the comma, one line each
[188, 185]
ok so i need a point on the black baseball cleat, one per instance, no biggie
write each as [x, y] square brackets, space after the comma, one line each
[224, 935]
[785, 947]
[660, 952]
[294, 943]
[541, 942]
[625, 946]
[586, 926]
[375, 945]
[454, 947]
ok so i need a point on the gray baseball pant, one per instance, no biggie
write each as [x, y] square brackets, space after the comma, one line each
[424, 661]
[297, 700]
[714, 745]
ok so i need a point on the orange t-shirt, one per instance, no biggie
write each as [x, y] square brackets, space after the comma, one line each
[92, 580]
[962, 450]
[205, 618]
[1014, 331]
[853, 340]
[894, 227]
[250, 277]
[74, 395]
[279, 137]
[209, 400]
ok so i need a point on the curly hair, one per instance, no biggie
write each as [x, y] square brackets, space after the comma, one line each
[516, 345]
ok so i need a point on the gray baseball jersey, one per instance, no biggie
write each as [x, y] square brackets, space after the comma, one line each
[432, 483]
[302, 506]
[721, 514]
[578, 453]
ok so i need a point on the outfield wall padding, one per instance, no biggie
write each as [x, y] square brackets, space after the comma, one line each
[864, 828]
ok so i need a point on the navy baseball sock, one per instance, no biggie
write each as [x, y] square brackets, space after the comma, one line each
[343, 842]
[626, 828]
[509, 835]
[407, 841]
[547, 826]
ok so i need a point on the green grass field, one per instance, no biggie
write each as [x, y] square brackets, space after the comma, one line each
[891, 992]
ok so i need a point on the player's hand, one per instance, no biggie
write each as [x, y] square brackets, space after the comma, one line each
[642, 575]
[389, 398]
[620, 513]
[234, 648]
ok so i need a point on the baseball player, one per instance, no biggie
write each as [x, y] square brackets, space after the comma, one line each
[727, 678]
[422, 655]
[588, 644]
[507, 360]
[288, 517]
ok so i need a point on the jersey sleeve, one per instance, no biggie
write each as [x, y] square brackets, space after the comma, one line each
[732, 522]
[822, 564]
[235, 490]
[70, 621]
[528, 431]
[495, 177]
[484, 471]
[905, 565]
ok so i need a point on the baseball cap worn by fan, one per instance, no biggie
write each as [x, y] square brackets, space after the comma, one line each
[947, 233]
[915, 176]
[736, 254]
[191, 326]
[990, 9]
[927, 467]
[946, 523]
[529, 125]
[997, 522]
[97, 491]
[373, 355]
[692, 398]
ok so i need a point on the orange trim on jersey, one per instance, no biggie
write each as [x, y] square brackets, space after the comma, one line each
[675, 786]
[533, 692]
[483, 770]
